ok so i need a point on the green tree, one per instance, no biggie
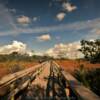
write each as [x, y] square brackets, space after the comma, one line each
[91, 50]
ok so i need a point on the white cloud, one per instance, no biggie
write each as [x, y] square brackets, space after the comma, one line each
[45, 37]
[38, 54]
[65, 50]
[68, 7]
[12, 10]
[97, 31]
[15, 46]
[90, 25]
[23, 20]
[10, 27]
[58, 38]
[60, 16]
[35, 19]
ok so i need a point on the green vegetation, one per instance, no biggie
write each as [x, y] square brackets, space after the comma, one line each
[89, 78]
[91, 50]
[15, 56]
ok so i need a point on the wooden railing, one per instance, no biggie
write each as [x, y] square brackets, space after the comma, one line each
[81, 91]
[9, 81]
[14, 83]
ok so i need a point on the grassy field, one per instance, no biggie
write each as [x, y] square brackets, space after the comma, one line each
[71, 65]
[68, 65]
[14, 66]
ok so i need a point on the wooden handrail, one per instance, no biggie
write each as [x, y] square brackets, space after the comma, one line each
[80, 90]
[25, 84]
[7, 80]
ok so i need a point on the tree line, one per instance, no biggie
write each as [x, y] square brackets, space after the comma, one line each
[22, 57]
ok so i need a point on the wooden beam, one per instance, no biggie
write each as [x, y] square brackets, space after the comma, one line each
[81, 90]
[7, 80]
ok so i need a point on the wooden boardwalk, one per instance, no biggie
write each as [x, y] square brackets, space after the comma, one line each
[45, 81]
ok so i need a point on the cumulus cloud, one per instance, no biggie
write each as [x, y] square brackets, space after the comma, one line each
[45, 37]
[60, 16]
[68, 7]
[65, 50]
[15, 46]
[23, 20]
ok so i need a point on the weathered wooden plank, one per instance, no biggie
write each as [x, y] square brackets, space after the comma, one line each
[42, 78]
[20, 73]
[81, 90]
[7, 80]
[26, 83]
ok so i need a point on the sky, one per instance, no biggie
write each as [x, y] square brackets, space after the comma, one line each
[50, 27]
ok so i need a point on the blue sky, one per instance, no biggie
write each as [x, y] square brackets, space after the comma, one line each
[51, 21]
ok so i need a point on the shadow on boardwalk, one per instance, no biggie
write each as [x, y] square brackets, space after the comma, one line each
[55, 89]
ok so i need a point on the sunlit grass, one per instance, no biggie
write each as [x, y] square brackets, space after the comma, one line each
[8, 67]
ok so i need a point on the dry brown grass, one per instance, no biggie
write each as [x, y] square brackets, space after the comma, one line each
[6, 66]
[70, 65]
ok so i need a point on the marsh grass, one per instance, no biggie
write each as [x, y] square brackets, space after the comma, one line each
[89, 78]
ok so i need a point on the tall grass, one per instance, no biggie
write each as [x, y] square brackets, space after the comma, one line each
[89, 78]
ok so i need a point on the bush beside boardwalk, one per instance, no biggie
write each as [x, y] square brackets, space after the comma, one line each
[89, 78]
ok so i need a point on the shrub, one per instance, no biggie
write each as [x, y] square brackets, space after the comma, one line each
[15, 68]
[90, 78]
